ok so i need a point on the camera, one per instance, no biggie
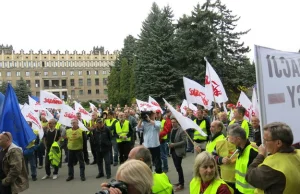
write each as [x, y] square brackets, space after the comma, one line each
[145, 114]
[115, 184]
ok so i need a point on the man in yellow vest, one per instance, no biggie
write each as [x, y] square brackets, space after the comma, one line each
[124, 134]
[76, 140]
[279, 172]
[161, 183]
[204, 124]
[110, 122]
[216, 128]
[247, 153]
[239, 113]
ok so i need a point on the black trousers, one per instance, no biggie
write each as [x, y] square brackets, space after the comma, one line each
[156, 160]
[177, 163]
[5, 189]
[93, 149]
[47, 165]
[85, 152]
[106, 157]
[76, 155]
[124, 149]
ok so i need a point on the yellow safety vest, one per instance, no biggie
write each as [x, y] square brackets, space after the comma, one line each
[197, 135]
[244, 125]
[31, 144]
[90, 125]
[75, 139]
[240, 171]
[161, 184]
[44, 124]
[212, 144]
[55, 154]
[109, 122]
[57, 126]
[225, 148]
[122, 131]
[290, 169]
[195, 186]
[162, 124]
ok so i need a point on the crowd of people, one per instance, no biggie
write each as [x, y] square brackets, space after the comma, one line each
[230, 159]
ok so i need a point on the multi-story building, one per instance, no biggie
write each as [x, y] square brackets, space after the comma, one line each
[73, 76]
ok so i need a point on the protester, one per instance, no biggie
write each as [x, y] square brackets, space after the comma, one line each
[256, 130]
[90, 126]
[204, 124]
[110, 122]
[178, 150]
[206, 178]
[239, 113]
[14, 178]
[278, 172]
[136, 175]
[216, 129]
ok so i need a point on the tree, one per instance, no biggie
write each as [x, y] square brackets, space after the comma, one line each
[22, 91]
[155, 72]
[132, 81]
[113, 86]
[3, 87]
[124, 83]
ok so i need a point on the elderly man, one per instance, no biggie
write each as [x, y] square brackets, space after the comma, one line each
[256, 130]
[216, 128]
[278, 172]
[247, 153]
[161, 183]
[14, 178]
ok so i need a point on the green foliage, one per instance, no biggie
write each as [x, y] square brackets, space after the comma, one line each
[124, 97]
[3, 87]
[155, 72]
[114, 86]
[22, 91]
[132, 81]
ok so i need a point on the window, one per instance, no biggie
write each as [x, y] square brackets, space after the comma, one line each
[54, 73]
[88, 72]
[27, 73]
[72, 73]
[80, 82]
[97, 82]
[37, 83]
[104, 81]
[28, 83]
[79, 72]
[10, 64]
[18, 73]
[80, 92]
[105, 91]
[45, 73]
[72, 82]
[63, 73]
[96, 72]
[56, 64]
[0, 74]
[73, 64]
[38, 64]
[24, 64]
[36, 73]
[15, 64]
[72, 92]
[38, 94]
[47, 64]
[9, 81]
[89, 92]
[69, 63]
[97, 91]
[89, 82]
[0, 64]
[8, 74]
[60, 63]
[34, 64]
[104, 72]
[29, 64]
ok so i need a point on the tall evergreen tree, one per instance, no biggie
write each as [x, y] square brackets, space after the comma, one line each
[155, 74]
[132, 81]
[22, 91]
[124, 83]
[3, 87]
[113, 86]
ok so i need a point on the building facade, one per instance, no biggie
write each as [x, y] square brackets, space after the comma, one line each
[70, 76]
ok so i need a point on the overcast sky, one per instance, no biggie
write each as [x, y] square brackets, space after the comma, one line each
[81, 24]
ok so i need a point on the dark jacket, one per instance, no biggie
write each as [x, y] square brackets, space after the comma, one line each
[102, 139]
[179, 142]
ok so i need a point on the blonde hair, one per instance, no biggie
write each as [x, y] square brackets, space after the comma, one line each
[137, 174]
[202, 159]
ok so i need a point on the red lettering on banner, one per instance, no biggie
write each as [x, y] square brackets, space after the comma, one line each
[185, 108]
[217, 92]
[29, 115]
[37, 103]
[206, 80]
[44, 113]
[83, 111]
[70, 115]
[145, 104]
[52, 101]
[195, 92]
[154, 103]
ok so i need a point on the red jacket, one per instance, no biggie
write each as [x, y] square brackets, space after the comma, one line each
[167, 128]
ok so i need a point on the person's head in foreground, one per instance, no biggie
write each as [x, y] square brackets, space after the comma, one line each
[205, 167]
[5, 140]
[136, 175]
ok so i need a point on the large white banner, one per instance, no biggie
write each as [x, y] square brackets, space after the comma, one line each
[49, 100]
[278, 80]
[84, 114]
[66, 116]
[185, 105]
[155, 104]
[245, 102]
[30, 115]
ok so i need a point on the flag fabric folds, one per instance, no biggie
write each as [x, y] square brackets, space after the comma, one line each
[13, 121]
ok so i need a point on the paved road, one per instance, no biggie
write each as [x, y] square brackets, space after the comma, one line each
[92, 185]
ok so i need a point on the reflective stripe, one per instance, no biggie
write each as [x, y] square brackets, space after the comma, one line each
[246, 186]
[240, 173]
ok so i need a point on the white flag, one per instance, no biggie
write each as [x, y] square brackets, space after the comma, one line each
[30, 115]
[34, 104]
[255, 105]
[93, 107]
[48, 115]
[145, 106]
[84, 114]
[155, 104]
[246, 103]
[214, 88]
[195, 93]
[184, 122]
[184, 106]
[66, 116]
[49, 100]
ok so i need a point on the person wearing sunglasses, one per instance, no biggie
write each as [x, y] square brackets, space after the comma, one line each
[13, 173]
